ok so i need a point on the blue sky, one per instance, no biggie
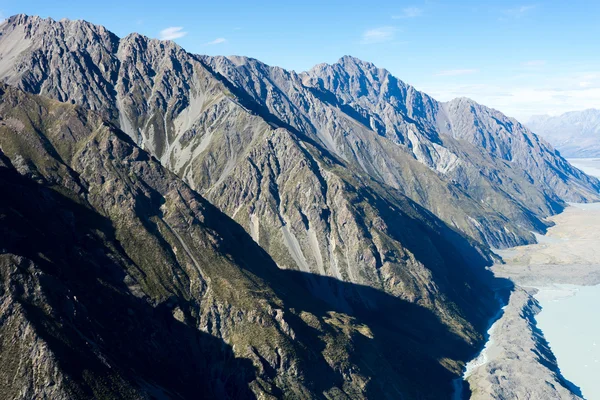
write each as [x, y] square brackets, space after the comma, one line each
[520, 57]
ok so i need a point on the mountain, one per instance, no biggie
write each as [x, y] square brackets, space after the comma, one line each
[202, 117]
[344, 255]
[575, 134]
[118, 280]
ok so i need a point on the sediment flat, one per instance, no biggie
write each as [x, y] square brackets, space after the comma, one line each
[518, 360]
[569, 253]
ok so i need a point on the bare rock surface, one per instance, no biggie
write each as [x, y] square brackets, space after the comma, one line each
[120, 281]
[477, 170]
[356, 192]
[568, 253]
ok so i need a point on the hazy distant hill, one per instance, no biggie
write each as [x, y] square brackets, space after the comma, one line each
[575, 134]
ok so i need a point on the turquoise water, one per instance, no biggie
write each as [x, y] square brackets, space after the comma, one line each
[571, 324]
[570, 320]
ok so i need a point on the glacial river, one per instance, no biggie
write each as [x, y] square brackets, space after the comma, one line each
[571, 324]
[569, 320]
[570, 315]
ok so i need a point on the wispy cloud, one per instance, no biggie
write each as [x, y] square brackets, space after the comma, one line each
[216, 41]
[518, 12]
[548, 93]
[589, 80]
[378, 35]
[172, 33]
[2, 18]
[457, 72]
[409, 12]
[534, 63]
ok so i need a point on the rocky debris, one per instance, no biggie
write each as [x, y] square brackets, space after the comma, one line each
[568, 253]
[520, 363]
[121, 281]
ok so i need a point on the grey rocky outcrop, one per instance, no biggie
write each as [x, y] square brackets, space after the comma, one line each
[199, 115]
[119, 281]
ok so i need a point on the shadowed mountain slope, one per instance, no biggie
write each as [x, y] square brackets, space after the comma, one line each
[118, 280]
[307, 207]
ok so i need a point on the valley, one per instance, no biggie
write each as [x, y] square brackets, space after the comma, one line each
[175, 223]
[545, 342]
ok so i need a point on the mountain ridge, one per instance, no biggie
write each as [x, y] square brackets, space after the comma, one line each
[575, 134]
[228, 129]
[113, 226]
[368, 223]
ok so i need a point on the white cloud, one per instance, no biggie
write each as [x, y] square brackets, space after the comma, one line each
[518, 12]
[457, 72]
[534, 63]
[216, 41]
[2, 18]
[522, 98]
[409, 12]
[172, 33]
[378, 35]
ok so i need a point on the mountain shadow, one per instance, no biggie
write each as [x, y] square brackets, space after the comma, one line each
[112, 344]
[406, 348]
[61, 265]
[107, 253]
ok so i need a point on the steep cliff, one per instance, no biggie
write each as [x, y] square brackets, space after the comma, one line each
[118, 280]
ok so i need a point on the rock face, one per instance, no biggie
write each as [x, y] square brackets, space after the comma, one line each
[118, 280]
[477, 170]
[404, 139]
[366, 206]
[575, 134]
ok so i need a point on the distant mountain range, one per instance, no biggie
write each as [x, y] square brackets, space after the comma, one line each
[321, 234]
[575, 134]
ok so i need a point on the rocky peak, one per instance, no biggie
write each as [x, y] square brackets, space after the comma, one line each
[75, 33]
[175, 104]
[489, 128]
[350, 62]
[350, 78]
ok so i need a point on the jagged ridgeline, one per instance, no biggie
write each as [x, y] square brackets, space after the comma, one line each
[344, 253]
[119, 281]
[212, 121]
